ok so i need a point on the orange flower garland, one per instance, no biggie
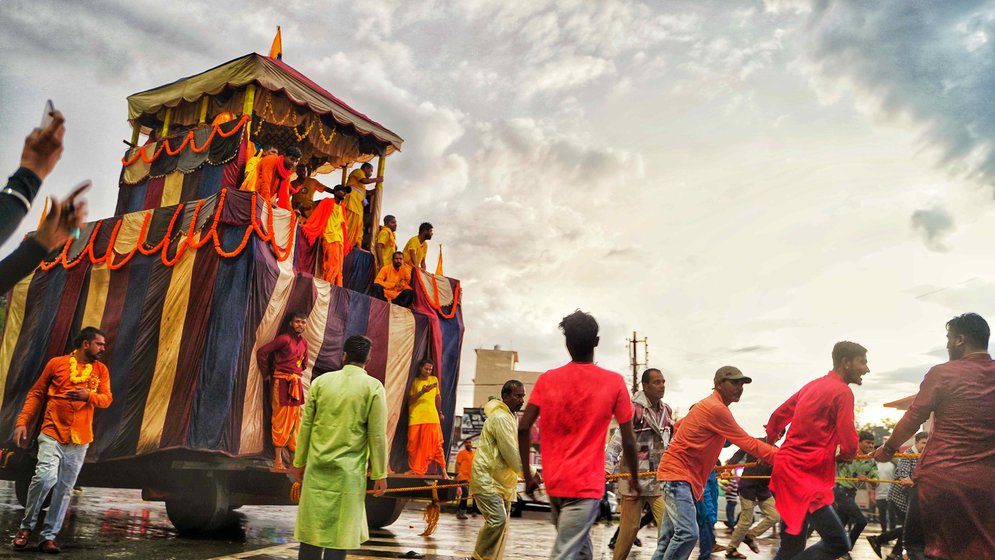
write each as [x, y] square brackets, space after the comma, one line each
[189, 239]
[187, 139]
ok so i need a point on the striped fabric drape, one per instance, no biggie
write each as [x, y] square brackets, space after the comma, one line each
[182, 336]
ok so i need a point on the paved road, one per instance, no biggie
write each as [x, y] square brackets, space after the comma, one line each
[118, 524]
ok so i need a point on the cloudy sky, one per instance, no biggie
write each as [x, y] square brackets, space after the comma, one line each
[743, 183]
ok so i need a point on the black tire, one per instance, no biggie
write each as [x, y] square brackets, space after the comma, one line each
[381, 512]
[203, 507]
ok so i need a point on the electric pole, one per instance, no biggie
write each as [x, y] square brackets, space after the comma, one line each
[634, 343]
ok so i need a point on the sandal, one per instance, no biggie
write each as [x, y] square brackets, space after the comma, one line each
[733, 553]
[21, 538]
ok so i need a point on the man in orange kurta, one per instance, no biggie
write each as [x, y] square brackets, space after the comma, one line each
[356, 201]
[393, 282]
[464, 466]
[273, 176]
[69, 389]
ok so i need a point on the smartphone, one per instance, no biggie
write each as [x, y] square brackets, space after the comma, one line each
[47, 117]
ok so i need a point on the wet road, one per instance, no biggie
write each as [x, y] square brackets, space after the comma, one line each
[105, 523]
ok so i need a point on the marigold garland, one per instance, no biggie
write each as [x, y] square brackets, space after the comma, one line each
[75, 376]
[436, 304]
[187, 241]
[188, 138]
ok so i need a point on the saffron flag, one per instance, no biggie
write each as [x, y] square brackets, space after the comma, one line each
[276, 50]
[438, 267]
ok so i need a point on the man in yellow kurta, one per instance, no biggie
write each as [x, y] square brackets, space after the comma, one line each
[496, 468]
[356, 201]
[417, 247]
[326, 223]
[386, 241]
[393, 283]
[425, 422]
[343, 432]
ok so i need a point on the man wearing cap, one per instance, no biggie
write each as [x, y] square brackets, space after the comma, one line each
[691, 457]
[821, 419]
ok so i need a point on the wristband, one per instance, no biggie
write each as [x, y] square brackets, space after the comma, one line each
[889, 449]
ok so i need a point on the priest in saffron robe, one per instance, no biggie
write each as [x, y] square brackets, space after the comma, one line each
[273, 176]
[283, 360]
[343, 437]
[326, 222]
[821, 419]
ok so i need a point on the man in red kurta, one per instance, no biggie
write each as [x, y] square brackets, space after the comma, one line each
[284, 359]
[821, 419]
[66, 394]
[953, 500]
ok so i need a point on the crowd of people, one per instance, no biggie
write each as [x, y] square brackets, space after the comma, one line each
[339, 222]
[942, 504]
[807, 483]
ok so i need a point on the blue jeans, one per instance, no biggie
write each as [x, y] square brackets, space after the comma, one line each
[679, 527]
[834, 543]
[573, 518]
[58, 465]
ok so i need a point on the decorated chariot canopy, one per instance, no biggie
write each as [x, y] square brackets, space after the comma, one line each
[278, 104]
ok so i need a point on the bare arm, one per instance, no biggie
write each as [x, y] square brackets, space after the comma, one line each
[525, 445]
[629, 456]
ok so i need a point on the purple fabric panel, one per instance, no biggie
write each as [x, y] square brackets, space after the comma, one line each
[234, 170]
[238, 208]
[329, 356]
[305, 253]
[60, 335]
[153, 192]
[378, 330]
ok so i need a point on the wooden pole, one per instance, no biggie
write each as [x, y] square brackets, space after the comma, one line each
[248, 102]
[203, 109]
[375, 211]
[165, 123]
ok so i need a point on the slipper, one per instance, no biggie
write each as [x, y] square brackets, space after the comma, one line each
[752, 543]
[21, 538]
[733, 553]
[410, 554]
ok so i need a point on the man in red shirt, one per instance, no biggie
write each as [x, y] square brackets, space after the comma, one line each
[576, 403]
[285, 359]
[691, 457]
[952, 504]
[821, 419]
[69, 389]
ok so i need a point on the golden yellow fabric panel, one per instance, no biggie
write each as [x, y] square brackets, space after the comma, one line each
[139, 170]
[173, 188]
[12, 328]
[96, 296]
[131, 228]
[174, 312]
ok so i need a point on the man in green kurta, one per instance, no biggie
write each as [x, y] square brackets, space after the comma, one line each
[343, 431]
[496, 467]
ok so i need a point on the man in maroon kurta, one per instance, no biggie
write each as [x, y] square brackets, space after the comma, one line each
[821, 419]
[953, 481]
[285, 359]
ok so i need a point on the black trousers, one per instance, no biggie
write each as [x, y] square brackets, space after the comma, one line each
[824, 521]
[404, 299]
[849, 512]
[311, 552]
[914, 537]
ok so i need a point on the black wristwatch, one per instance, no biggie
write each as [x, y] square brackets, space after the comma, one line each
[891, 450]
